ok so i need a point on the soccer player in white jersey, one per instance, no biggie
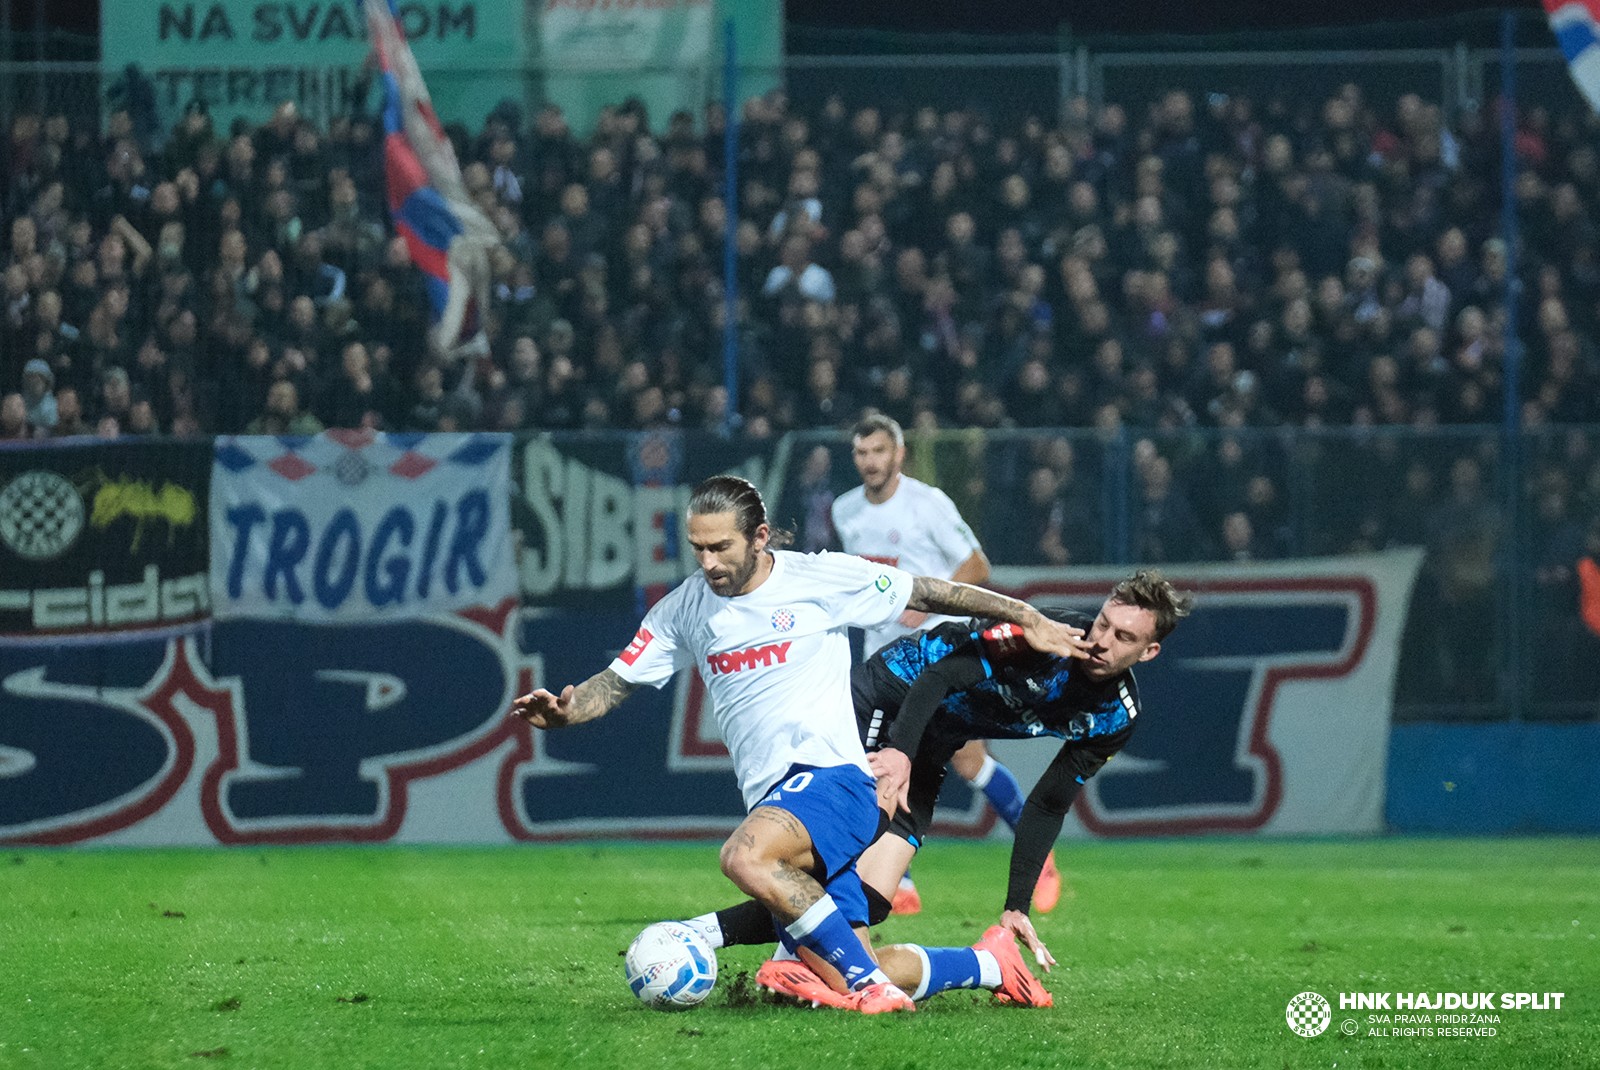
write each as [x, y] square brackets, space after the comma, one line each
[768, 631]
[900, 521]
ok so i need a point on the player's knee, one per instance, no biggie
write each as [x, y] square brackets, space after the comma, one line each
[878, 907]
[741, 865]
[732, 861]
[968, 761]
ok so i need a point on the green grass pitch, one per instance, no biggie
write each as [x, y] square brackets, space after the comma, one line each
[1178, 953]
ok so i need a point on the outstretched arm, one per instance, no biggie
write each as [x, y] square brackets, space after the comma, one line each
[963, 600]
[595, 697]
[975, 569]
[1040, 824]
[1042, 817]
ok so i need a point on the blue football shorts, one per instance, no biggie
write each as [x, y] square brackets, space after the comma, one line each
[838, 805]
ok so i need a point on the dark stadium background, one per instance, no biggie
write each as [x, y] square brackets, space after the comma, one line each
[1089, 16]
[941, 16]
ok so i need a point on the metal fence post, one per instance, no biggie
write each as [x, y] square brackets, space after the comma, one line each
[730, 247]
[1509, 595]
[1114, 496]
[1063, 67]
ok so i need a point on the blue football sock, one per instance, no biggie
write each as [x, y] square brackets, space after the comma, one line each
[827, 934]
[1001, 789]
[945, 968]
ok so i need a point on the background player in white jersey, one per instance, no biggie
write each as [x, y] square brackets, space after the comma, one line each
[901, 521]
[897, 520]
[767, 630]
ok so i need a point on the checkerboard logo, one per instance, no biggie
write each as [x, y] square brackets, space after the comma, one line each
[1309, 1014]
[41, 515]
[783, 620]
[351, 469]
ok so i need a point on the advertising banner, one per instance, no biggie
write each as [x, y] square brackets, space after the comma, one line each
[244, 57]
[1267, 710]
[98, 538]
[346, 691]
[598, 54]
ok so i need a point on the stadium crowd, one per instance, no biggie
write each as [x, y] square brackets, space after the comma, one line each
[1233, 264]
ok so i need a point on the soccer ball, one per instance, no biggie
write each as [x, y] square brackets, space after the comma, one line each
[670, 966]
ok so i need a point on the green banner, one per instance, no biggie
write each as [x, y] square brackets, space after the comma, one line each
[244, 57]
[600, 52]
[667, 53]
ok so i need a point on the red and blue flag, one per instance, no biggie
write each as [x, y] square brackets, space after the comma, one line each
[1576, 24]
[448, 237]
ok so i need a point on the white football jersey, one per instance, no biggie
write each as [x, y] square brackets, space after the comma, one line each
[917, 530]
[776, 661]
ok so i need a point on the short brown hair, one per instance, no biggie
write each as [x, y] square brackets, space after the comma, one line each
[874, 422]
[1149, 589]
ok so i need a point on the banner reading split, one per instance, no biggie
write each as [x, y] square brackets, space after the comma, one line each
[1268, 710]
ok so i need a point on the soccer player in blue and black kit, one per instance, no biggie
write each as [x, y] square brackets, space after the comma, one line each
[924, 696]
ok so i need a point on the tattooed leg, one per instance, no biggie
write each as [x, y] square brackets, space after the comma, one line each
[770, 857]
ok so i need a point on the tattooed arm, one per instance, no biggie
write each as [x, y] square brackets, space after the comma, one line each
[595, 697]
[963, 600]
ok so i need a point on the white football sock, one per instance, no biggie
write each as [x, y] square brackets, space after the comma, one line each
[707, 926]
[927, 972]
[985, 773]
[988, 969]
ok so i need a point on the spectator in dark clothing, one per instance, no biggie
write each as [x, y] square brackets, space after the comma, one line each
[353, 397]
[1165, 527]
